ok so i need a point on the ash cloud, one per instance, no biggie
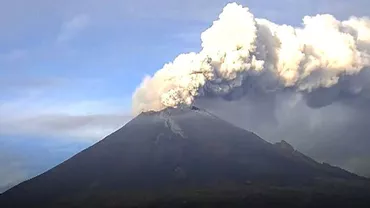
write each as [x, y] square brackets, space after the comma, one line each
[336, 133]
[241, 53]
[308, 85]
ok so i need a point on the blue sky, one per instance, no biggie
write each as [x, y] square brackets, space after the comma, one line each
[68, 68]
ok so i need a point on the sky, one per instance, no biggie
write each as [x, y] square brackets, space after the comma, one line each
[68, 68]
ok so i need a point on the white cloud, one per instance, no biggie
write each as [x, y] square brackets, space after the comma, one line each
[73, 27]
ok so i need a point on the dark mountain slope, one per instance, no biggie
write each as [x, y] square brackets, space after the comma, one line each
[185, 155]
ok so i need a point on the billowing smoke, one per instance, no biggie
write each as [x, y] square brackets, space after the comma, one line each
[243, 55]
[309, 85]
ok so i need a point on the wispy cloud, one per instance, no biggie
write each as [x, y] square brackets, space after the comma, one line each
[22, 158]
[11, 171]
[14, 55]
[189, 37]
[73, 27]
[28, 83]
[88, 120]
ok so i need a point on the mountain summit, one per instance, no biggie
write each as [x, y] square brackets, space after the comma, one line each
[186, 157]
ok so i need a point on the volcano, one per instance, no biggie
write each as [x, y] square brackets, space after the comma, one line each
[188, 157]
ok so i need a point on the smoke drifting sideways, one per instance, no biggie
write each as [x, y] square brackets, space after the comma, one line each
[308, 85]
[241, 53]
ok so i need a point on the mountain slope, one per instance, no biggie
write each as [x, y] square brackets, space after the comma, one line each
[173, 154]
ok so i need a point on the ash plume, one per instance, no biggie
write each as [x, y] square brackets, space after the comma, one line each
[308, 85]
[241, 53]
